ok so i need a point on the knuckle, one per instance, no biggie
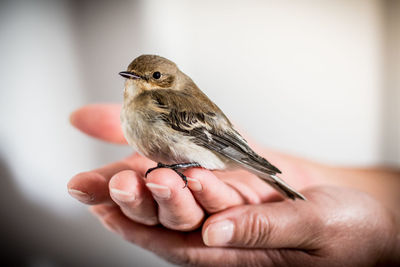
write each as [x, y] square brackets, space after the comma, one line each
[257, 229]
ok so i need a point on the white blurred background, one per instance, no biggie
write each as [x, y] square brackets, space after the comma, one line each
[319, 79]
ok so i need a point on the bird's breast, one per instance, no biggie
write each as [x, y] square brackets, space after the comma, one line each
[154, 139]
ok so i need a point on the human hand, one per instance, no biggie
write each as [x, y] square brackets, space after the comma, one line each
[335, 227]
[160, 198]
[286, 232]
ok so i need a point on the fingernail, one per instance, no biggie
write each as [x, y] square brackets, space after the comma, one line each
[194, 184]
[122, 195]
[159, 191]
[79, 195]
[219, 233]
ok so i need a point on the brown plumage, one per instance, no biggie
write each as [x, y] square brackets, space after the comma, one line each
[167, 118]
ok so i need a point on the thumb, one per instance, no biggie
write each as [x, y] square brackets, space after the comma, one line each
[286, 224]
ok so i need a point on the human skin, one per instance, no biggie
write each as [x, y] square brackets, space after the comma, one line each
[234, 218]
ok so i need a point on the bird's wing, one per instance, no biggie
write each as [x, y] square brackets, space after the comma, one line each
[210, 128]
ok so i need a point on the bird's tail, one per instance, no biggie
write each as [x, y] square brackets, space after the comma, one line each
[280, 185]
[284, 188]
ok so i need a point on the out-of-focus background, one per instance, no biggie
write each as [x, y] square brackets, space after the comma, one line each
[320, 79]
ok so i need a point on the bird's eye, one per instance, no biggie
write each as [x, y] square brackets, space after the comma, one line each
[156, 75]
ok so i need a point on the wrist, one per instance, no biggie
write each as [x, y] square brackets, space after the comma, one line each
[381, 183]
[396, 247]
[391, 255]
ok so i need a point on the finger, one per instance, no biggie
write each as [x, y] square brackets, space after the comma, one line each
[178, 210]
[213, 194]
[178, 247]
[114, 220]
[285, 224]
[101, 121]
[128, 190]
[92, 187]
[172, 245]
[250, 186]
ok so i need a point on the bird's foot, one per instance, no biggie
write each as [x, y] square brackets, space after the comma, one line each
[175, 168]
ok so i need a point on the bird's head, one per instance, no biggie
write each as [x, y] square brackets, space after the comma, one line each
[150, 72]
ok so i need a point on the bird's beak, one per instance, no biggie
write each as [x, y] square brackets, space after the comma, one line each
[129, 75]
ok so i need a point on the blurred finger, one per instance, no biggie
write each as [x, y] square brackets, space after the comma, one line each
[92, 187]
[101, 121]
[157, 239]
[178, 210]
[128, 190]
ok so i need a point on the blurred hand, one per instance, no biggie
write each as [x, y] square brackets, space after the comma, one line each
[339, 226]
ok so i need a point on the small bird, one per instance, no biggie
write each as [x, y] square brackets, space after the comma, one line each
[168, 119]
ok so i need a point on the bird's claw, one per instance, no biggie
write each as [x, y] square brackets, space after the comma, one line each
[175, 168]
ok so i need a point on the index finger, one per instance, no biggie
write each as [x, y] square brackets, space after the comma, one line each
[101, 121]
